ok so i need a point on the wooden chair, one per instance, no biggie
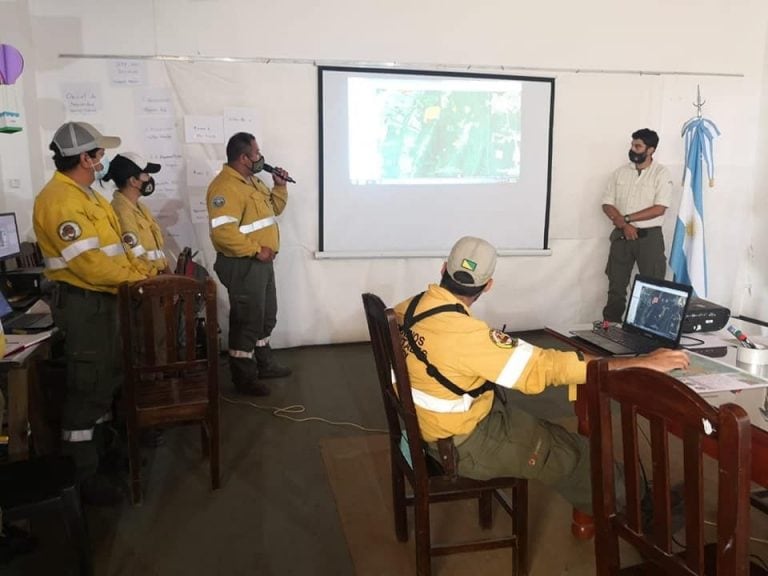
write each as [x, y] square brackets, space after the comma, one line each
[428, 480]
[29, 488]
[170, 362]
[30, 256]
[667, 404]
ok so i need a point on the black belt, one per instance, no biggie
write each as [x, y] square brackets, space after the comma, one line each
[643, 232]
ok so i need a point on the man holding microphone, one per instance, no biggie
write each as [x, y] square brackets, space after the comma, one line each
[244, 232]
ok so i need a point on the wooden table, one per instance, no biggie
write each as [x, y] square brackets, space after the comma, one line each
[22, 378]
[751, 400]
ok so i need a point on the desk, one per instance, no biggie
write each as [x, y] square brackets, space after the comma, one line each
[751, 400]
[22, 378]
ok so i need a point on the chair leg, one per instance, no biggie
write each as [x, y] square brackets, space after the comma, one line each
[485, 509]
[398, 503]
[73, 518]
[213, 436]
[205, 440]
[423, 540]
[134, 461]
[520, 527]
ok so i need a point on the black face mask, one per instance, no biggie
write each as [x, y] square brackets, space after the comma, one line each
[636, 157]
[147, 187]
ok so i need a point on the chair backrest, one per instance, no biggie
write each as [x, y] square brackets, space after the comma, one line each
[668, 405]
[30, 256]
[164, 334]
[394, 382]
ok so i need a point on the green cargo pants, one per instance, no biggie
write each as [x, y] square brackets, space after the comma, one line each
[252, 299]
[647, 251]
[89, 324]
[512, 442]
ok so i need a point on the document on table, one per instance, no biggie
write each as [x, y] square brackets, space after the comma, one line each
[15, 343]
[706, 375]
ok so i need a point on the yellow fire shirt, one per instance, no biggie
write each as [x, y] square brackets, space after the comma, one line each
[468, 352]
[79, 236]
[242, 213]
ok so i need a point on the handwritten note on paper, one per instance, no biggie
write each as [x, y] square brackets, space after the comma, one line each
[201, 172]
[171, 160]
[154, 102]
[81, 97]
[203, 129]
[198, 209]
[240, 120]
[158, 135]
[127, 72]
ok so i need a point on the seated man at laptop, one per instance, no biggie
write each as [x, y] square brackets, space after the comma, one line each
[492, 437]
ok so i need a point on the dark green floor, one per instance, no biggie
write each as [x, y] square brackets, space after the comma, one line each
[275, 513]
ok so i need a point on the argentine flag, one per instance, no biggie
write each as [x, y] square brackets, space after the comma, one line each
[688, 257]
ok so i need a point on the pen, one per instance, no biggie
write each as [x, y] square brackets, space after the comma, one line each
[741, 337]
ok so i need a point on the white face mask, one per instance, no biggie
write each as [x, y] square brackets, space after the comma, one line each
[99, 173]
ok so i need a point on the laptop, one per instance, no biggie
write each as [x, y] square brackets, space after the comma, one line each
[22, 321]
[654, 319]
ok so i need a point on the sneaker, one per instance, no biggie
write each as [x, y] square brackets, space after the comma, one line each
[98, 490]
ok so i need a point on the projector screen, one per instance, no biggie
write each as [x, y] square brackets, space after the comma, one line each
[412, 160]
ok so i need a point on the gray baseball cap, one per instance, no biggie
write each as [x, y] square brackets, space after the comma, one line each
[471, 261]
[74, 138]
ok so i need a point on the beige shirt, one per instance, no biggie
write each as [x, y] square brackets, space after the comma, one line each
[631, 192]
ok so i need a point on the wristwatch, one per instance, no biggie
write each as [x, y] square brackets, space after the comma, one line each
[627, 219]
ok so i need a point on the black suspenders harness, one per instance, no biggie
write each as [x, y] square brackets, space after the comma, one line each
[409, 320]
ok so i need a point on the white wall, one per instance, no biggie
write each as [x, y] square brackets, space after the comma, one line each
[594, 116]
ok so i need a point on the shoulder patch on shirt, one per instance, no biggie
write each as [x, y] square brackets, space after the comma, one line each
[218, 201]
[69, 231]
[502, 339]
[130, 239]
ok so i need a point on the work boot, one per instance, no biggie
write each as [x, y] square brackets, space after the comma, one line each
[245, 377]
[268, 366]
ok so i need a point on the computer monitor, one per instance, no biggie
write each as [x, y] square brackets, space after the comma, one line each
[10, 246]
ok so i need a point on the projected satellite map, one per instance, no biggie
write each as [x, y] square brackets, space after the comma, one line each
[406, 134]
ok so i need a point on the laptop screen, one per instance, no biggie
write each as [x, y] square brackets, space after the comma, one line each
[5, 308]
[657, 307]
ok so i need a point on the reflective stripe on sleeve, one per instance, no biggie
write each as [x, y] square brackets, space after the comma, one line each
[221, 220]
[258, 225]
[77, 248]
[77, 435]
[433, 404]
[155, 254]
[55, 263]
[113, 249]
[514, 367]
[138, 250]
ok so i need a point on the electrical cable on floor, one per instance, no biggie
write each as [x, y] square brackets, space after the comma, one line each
[706, 522]
[279, 412]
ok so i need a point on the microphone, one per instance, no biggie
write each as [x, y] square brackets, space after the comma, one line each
[271, 170]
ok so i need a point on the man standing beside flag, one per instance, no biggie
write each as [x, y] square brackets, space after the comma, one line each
[635, 201]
